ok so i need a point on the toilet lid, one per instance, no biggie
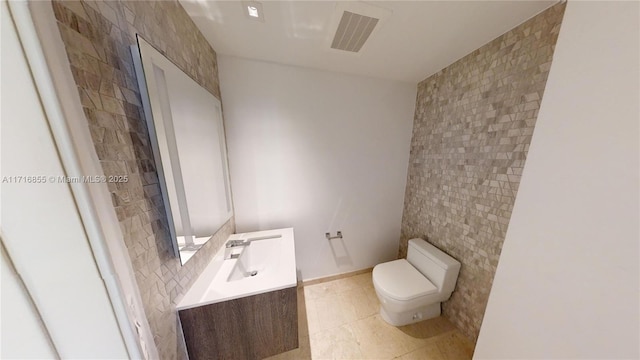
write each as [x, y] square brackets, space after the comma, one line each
[399, 280]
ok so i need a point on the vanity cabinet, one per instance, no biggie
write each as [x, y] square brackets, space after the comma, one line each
[252, 327]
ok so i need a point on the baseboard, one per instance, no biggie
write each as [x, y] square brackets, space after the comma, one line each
[320, 280]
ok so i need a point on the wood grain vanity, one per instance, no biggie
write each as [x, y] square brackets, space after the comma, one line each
[253, 327]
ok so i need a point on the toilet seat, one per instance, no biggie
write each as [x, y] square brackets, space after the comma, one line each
[399, 280]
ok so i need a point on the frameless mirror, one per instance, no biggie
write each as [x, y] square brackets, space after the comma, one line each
[187, 138]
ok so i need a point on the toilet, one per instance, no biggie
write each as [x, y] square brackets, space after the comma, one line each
[411, 289]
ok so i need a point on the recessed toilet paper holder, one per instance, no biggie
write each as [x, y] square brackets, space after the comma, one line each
[329, 237]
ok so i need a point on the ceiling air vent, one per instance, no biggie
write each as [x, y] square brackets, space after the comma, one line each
[353, 30]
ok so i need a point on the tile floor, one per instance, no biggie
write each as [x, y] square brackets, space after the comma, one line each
[339, 319]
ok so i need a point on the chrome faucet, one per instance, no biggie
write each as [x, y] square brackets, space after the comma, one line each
[236, 243]
[230, 245]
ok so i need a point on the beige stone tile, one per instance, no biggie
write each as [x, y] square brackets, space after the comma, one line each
[108, 12]
[91, 99]
[112, 105]
[76, 8]
[129, 15]
[303, 352]
[361, 301]
[371, 293]
[428, 329]
[313, 323]
[344, 323]
[333, 311]
[345, 284]
[427, 352]
[338, 343]
[77, 42]
[130, 96]
[454, 345]
[317, 291]
[379, 340]
[321, 346]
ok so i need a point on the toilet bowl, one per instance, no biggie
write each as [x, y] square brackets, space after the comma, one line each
[411, 289]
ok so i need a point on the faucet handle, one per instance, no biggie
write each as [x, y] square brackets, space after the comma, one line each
[234, 243]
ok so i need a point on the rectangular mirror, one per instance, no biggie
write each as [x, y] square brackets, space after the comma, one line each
[187, 138]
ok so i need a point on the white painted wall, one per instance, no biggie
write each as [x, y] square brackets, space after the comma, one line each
[27, 338]
[319, 152]
[567, 285]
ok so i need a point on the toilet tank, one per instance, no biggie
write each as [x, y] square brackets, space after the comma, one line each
[441, 269]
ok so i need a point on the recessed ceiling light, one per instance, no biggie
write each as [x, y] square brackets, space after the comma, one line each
[253, 10]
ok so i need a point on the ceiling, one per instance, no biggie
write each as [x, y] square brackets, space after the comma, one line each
[417, 39]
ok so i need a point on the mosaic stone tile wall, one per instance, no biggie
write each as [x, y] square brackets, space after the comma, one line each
[97, 36]
[472, 129]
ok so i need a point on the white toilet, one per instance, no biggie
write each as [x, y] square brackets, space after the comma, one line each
[411, 289]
